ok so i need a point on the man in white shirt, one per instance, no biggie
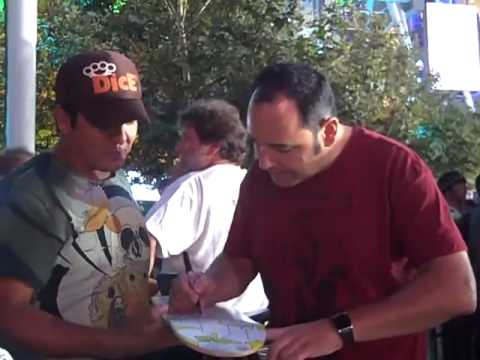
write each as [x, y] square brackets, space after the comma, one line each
[195, 212]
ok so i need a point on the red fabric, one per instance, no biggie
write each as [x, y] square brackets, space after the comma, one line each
[333, 242]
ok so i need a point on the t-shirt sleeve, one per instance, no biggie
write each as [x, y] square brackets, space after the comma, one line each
[240, 240]
[175, 219]
[26, 253]
[422, 227]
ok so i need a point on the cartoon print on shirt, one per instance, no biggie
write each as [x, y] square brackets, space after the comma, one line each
[123, 240]
[116, 299]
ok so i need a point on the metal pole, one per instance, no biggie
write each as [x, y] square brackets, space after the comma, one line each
[21, 73]
[399, 19]
[467, 95]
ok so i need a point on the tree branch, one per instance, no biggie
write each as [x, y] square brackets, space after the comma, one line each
[202, 10]
[211, 83]
[204, 7]
[169, 7]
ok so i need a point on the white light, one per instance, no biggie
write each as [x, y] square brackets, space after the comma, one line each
[5, 355]
[143, 192]
[453, 46]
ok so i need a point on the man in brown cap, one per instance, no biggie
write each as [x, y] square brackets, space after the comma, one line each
[74, 251]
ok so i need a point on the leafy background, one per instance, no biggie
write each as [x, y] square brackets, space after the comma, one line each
[186, 49]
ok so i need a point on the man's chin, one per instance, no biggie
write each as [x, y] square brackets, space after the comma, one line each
[284, 181]
[113, 166]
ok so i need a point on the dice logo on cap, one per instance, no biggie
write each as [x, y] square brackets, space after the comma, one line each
[101, 68]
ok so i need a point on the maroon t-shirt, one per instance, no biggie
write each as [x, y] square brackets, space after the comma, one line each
[330, 244]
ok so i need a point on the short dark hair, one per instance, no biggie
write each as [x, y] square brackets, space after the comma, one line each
[72, 112]
[11, 158]
[217, 121]
[309, 89]
[447, 180]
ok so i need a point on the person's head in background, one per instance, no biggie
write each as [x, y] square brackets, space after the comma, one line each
[99, 104]
[292, 123]
[211, 133]
[453, 185]
[12, 158]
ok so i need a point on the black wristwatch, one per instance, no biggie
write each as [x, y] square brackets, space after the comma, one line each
[343, 325]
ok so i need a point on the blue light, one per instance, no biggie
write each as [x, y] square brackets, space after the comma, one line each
[423, 132]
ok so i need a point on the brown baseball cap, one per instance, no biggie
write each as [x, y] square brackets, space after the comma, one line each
[102, 85]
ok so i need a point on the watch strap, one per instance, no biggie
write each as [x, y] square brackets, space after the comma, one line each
[343, 325]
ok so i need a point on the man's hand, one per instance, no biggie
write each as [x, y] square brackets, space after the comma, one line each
[154, 336]
[152, 287]
[305, 341]
[189, 292]
[157, 333]
[54, 337]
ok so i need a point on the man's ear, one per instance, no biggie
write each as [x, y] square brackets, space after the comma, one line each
[62, 119]
[329, 130]
[213, 149]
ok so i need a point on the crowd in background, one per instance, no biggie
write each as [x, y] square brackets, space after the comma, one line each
[353, 265]
[460, 336]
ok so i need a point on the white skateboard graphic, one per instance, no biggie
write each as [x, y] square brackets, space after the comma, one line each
[219, 332]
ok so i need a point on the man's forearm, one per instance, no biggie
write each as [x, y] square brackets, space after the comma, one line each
[231, 276]
[444, 289]
[45, 334]
[153, 254]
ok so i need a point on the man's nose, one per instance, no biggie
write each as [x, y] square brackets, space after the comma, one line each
[264, 158]
[119, 134]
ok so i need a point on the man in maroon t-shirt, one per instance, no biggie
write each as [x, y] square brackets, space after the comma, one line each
[353, 239]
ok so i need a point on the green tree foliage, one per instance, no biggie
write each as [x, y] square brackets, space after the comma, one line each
[452, 136]
[184, 49]
[64, 28]
[3, 85]
[377, 85]
[193, 49]
[187, 49]
[102, 5]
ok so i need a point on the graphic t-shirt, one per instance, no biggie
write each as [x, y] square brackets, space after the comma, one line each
[98, 276]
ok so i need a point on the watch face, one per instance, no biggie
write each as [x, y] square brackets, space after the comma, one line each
[344, 327]
[342, 321]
